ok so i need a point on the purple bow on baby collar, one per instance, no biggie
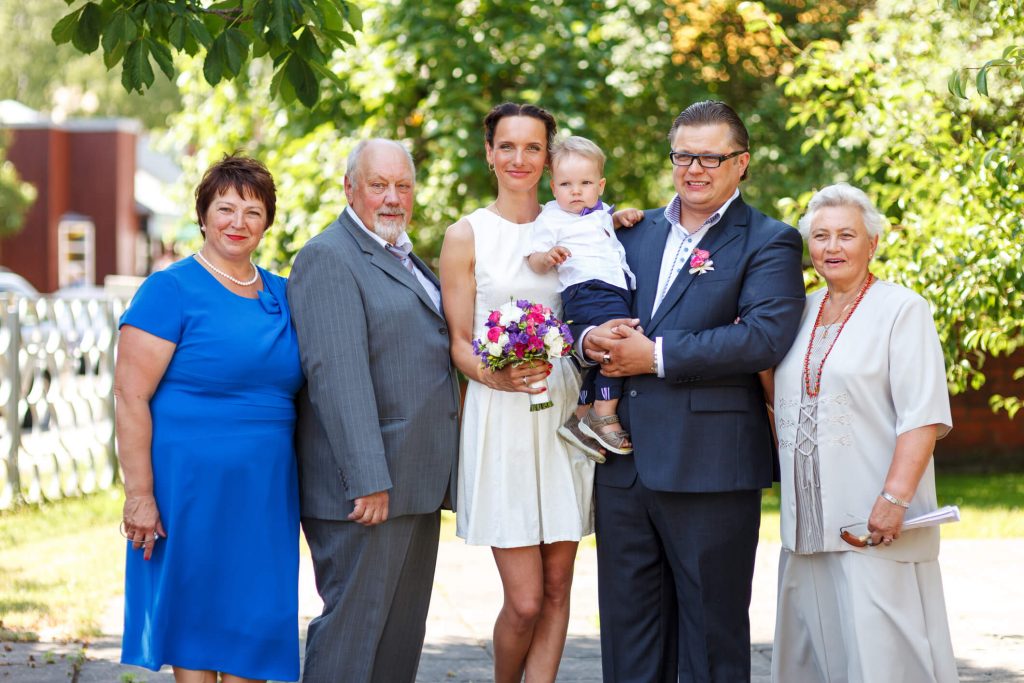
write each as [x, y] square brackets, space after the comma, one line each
[597, 207]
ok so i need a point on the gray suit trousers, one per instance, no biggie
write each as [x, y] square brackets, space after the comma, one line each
[375, 583]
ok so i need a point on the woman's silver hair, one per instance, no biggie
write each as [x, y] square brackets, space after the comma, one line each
[352, 167]
[842, 194]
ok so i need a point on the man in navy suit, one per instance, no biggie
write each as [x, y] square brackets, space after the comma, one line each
[719, 298]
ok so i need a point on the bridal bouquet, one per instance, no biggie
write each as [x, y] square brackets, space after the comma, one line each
[519, 332]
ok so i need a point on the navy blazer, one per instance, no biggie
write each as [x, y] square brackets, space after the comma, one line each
[704, 426]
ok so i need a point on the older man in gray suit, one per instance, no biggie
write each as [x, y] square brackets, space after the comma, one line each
[377, 434]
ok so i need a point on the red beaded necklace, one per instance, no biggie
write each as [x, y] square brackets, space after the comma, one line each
[813, 391]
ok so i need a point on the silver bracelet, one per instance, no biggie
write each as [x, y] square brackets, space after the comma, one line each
[894, 500]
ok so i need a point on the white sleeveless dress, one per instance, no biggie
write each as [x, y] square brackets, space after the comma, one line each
[519, 484]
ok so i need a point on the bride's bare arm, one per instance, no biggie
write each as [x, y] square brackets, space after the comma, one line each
[458, 294]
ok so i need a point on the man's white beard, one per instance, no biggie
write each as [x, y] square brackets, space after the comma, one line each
[389, 229]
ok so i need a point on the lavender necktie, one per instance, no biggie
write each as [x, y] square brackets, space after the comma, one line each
[401, 256]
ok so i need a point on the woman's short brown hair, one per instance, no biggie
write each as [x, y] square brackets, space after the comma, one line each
[248, 177]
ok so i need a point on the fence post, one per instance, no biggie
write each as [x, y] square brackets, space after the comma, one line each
[12, 496]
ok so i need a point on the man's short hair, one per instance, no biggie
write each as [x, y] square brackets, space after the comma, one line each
[574, 145]
[710, 113]
[353, 163]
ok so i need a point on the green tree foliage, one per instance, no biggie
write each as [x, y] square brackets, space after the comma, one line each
[427, 72]
[16, 196]
[1011, 61]
[949, 173]
[298, 35]
[61, 80]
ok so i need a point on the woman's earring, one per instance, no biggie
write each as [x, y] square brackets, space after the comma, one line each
[490, 167]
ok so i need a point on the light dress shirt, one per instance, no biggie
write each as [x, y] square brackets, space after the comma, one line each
[678, 248]
[403, 243]
[596, 252]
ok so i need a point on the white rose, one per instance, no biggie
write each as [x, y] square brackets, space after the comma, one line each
[553, 342]
[494, 348]
[510, 313]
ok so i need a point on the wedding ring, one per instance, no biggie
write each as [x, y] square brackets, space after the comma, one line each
[524, 381]
[606, 358]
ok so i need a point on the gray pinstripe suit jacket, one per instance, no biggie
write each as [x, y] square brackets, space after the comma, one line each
[380, 407]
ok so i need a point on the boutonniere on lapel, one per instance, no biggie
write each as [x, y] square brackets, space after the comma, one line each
[700, 262]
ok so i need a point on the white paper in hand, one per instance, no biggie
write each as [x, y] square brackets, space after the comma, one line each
[948, 513]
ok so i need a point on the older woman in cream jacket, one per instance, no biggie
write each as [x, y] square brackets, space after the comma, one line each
[859, 402]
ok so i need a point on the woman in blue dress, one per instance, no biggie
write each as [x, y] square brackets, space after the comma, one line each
[207, 370]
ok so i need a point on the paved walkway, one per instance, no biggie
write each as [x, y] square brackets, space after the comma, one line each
[984, 596]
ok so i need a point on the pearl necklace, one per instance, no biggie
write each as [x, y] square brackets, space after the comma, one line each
[813, 391]
[240, 283]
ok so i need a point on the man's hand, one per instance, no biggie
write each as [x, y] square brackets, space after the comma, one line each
[371, 510]
[627, 218]
[621, 348]
[605, 331]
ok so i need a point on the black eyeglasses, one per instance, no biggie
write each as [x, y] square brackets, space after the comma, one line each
[705, 160]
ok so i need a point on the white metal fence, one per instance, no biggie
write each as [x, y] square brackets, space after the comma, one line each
[56, 397]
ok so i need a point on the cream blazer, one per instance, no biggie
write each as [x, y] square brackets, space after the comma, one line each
[884, 376]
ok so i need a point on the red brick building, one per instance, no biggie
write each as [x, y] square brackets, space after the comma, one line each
[980, 436]
[84, 224]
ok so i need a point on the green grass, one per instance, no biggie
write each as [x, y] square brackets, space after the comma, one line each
[991, 506]
[62, 564]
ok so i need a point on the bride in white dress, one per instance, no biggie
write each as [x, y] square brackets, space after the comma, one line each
[521, 490]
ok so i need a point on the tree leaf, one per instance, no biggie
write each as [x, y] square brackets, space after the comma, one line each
[236, 49]
[176, 33]
[308, 48]
[354, 15]
[302, 78]
[120, 29]
[259, 47]
[281, 87]
[325, 71]
[162, 57]
[112, 57]
[261, 16]
[64, 29]
[213, 65]
[982, 81]
[200, 32]
[280, 21]
[332, 15]
[136, 71]
[87, 34]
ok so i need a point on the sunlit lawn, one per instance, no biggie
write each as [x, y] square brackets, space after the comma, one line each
[61, 565]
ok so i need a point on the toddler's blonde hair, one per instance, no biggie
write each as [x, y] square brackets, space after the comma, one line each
[578, 146]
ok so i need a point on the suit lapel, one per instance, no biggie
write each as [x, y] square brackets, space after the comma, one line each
[719, 235]
[649, 255]
[380, 258]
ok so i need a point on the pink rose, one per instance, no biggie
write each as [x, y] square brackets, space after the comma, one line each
[494, 317]
[699, 258]
[494, 334]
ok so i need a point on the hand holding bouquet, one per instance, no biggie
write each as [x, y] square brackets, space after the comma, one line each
[520, 332]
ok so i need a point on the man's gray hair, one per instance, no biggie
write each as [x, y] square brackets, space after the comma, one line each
[842, 194]
[352, 164]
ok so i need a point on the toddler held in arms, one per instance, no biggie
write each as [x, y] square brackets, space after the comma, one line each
[576, 234]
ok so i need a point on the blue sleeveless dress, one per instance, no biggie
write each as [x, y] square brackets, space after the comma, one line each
[221, 591]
